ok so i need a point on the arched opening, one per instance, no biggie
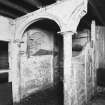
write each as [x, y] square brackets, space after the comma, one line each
[42, 62]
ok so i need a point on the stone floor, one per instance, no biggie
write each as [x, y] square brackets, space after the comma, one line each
[53, 96]
[50, 96]
[98, 100]
[5, 93]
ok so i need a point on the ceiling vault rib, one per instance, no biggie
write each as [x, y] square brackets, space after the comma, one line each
[12, 5]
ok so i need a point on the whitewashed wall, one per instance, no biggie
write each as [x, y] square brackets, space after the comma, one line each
[5, 28]
[82, 68]
[100, 45]
[36, 62]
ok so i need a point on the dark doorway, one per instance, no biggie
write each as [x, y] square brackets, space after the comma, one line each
[5, 86]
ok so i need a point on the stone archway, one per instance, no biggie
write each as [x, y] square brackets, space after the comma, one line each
[37, 49]
[67, 20]
[44, 29]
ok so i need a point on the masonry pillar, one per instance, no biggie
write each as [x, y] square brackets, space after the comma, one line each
[68, 85]
[15, 72]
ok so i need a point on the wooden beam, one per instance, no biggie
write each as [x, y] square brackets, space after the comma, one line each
[8, 14]
[14, 6]
[35, 3]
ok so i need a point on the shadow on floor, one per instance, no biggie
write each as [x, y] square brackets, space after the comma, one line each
[49, 96]
[99, 99]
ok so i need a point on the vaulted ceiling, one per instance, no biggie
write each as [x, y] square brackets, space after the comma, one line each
[17, 8]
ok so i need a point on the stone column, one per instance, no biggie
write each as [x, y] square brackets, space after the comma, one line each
[67, 36]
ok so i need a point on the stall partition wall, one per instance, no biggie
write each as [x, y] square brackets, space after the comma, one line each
[82, 76]
[100, 33]
[36, 61]
[100, 43]
[84, 67]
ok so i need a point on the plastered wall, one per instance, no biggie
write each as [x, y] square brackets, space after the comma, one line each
[36, 61]
[82, 72]
[82, 75]
[100, 43]
[5, 29]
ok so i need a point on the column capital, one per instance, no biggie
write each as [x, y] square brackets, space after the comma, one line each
[66, 32]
